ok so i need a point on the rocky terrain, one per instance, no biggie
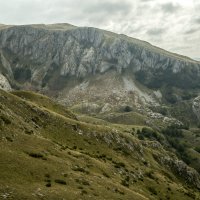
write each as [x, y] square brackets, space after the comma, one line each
[62, 60]
[136, 124]
[47, 153]
[4, 84]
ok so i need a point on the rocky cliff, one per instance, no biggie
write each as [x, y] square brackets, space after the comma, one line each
[4, 84]
[108, 79]
[83, 64]
[80, 52]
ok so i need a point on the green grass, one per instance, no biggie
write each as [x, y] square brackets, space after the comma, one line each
[129, 118]
[62, 157]
[44, 101]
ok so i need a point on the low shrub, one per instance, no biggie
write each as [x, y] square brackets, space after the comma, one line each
[128, 109]
[197, 149]
[5, 119]
[48, 185]
[36, 155]
[173, 131]
[152, 190]
[59, 181]
[119, 164]
[148, 133]
[125, 183]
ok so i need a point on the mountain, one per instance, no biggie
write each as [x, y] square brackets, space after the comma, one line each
[121, 119]
[98, 71]
[47, 153]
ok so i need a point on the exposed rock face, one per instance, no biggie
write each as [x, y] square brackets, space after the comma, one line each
[190, 175]
[4, 84]
[196, 106]
[67, 62]
[80, 52]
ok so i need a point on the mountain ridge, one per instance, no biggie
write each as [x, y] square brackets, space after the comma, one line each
[64, 26]
[121, 119]
[60, 62]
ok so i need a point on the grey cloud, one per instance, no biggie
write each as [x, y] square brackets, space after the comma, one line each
[109, 7]
[146, 1]
[197, 20]
[170, 7]
[155, 31]
[162, 23]
[107, 11]
[90, 12]
[191, 31]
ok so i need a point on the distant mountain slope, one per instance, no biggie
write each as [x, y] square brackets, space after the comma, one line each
[40, 53]
[47, 155]
[87, 66]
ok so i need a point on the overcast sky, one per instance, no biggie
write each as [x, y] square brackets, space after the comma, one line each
[170, 24]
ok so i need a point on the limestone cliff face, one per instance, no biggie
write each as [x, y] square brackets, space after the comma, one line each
[87, 64]
[72, 51]
[196, 107]
[4, 84]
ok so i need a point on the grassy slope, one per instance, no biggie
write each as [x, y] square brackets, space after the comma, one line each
[44, 101]
[42, 145]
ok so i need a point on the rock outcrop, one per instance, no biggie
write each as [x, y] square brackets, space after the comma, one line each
[196, 107]
[190, 175]
[41, 51]
[84, 64]
[4, 84]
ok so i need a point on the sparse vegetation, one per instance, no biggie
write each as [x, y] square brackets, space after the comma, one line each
[197, 149]
[173, 131]
[5, 119]
[152, 190]
[48, 185]
[98, 162]
[148, 133]
[59, 181]
[36, 155]
[127, 109]
[125, 183]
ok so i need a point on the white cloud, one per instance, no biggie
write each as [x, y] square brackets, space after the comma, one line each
[170, 24]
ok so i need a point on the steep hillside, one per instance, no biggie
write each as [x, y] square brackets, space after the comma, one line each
[135, 134]
[46, 153]
[98, 70]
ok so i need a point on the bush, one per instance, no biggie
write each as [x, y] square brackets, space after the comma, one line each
[5, 119]
[197, 149]
[84, 192]
[140, 137]
[48, 185]
[152, 190]
[59, 181]
[106, 175]
[148, 133]
[173, 131]
[119, 164]
[80, 169]
[128, 109]
[82, 182]
[9, 139]
[36, 155]
[150, 174]
[180, 148]
[22, 74]
[176, 144]
[125, 183]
